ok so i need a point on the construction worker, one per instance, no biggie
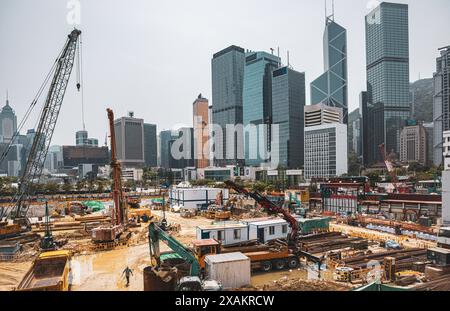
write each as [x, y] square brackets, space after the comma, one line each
[127, 273]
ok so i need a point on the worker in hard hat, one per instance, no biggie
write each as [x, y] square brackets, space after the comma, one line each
[127, 273]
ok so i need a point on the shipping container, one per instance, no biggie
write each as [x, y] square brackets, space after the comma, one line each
[226, 233]
[233, 270]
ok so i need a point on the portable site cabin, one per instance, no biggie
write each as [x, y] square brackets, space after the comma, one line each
[268, 230]
[198, 198]
[233, 270]
[313, 225]
[226, 233]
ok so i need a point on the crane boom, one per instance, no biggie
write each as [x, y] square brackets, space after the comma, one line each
[271, 208]
[46, 126]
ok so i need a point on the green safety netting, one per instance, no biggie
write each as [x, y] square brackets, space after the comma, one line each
[95, 206]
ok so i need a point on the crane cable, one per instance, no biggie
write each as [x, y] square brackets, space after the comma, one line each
[4, 211]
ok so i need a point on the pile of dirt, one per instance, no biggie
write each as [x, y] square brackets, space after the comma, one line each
[286, 284]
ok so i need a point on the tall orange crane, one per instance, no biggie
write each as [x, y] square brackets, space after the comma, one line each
[117, 192]
[118, 214]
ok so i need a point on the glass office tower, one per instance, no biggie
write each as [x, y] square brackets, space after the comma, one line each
[257, 109]
[227, 83]
[388, 101]
[331, 87]
[288, 106]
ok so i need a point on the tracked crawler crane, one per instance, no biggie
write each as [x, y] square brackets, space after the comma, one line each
[32, 171]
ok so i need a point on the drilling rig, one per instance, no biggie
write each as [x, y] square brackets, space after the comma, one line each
[119, 216]
[31, 174]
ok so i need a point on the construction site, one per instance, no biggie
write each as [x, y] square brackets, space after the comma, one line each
[330, 234]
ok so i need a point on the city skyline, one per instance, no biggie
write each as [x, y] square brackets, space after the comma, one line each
[141, 88]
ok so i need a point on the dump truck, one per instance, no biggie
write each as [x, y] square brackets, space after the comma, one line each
[49, 272]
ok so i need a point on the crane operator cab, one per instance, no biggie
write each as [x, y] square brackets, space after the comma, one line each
[203, 248]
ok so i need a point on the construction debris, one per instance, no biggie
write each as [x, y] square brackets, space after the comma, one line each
[286, 284]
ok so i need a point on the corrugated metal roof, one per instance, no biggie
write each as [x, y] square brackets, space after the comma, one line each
[226, 258]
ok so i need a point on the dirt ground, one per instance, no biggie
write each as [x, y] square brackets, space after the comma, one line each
[11, 274]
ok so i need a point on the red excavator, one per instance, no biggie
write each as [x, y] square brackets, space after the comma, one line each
[398, 187]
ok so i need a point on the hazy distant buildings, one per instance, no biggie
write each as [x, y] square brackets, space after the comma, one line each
[181, 148]
[201, 134]
[165, 137]
[441, 105]
[322, 114]
[227, 88]
[257, 110]
[150, 145]
[354, 132]
[388, 101]
[83, 140]
[73, 156]
[8, 123]
[130, 141]
[288, 102]
[331, 87]
[413, 144]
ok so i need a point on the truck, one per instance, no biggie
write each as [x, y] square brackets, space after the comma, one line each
[275, 255]
[49, 272]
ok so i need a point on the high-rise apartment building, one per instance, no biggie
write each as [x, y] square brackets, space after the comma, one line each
[331, 87]
[201, 131]
[227, 87]
[288, 102]
[257, 110]
[388, 87]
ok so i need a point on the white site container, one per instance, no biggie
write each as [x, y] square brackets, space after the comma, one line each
[195, 197]
[227, 233]
[268, 230]
[233, 270]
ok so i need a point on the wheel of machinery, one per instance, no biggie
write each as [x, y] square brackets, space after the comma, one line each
[279, 264]
[293, 262]
[266, 266]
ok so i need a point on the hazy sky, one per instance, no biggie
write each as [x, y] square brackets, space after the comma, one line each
[154, 57]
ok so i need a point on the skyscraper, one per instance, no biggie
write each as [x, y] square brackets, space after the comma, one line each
[164, 140]
[181, 148]
[227, 85]
[441, 105]
[150, 145]
[288, 103]
[201, 134]
[257, 110]
[130, 141]
[388, 97]
[8, 123]
[331, 87]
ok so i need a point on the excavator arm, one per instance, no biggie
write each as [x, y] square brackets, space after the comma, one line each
[156, 234]
[271, 208]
